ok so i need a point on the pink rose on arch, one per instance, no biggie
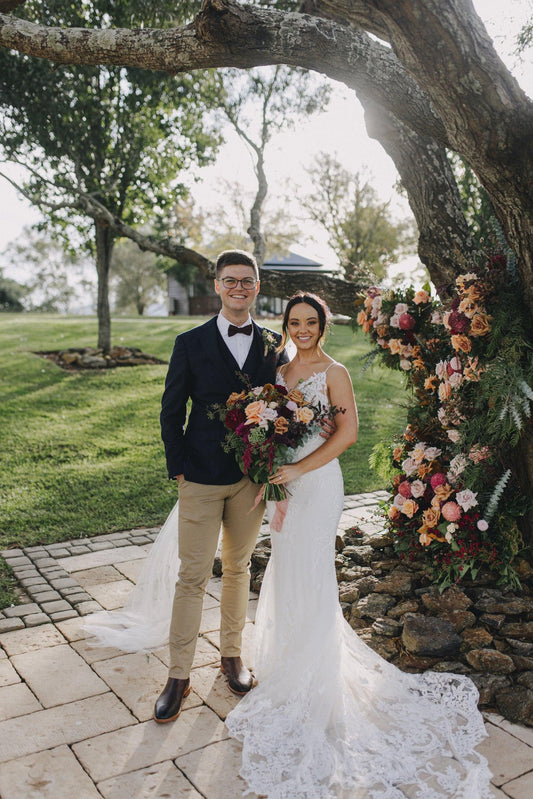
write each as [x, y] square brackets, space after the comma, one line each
[405, 364]
[482, 525]
[467, 499]
[417, 488]
[407, 322]
[421, 296]
[453, 435]
[409, 466]
[441, 369]
[437, 480]
[455, 379]
[451, 511]
[401, 307]
[405, 489]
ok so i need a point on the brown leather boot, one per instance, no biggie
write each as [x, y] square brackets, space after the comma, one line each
[240, 679]
[168, 705]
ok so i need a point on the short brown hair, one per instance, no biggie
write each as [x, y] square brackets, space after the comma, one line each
[235, 258]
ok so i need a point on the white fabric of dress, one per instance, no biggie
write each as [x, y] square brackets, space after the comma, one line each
[329, 718]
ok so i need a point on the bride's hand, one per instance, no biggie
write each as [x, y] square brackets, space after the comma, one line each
[286, 473]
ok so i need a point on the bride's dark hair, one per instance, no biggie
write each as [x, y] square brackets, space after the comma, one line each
[315, 302]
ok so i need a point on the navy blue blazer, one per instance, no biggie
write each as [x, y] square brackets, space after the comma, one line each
[203, 369]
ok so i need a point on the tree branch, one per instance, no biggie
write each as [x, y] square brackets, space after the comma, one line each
[216, 39]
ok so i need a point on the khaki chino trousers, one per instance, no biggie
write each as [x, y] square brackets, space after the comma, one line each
[202, 509]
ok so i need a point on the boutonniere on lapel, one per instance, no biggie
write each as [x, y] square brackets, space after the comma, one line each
[269, 341]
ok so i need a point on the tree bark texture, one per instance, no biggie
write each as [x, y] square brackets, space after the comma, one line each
[104, 247]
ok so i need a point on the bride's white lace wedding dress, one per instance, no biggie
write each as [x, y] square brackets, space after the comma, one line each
[330, 718]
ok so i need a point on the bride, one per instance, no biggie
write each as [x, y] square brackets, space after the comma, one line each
[329, 718]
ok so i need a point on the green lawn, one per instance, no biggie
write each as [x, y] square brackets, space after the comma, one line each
[80, 453]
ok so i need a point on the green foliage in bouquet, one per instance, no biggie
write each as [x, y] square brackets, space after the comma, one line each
[469, 367]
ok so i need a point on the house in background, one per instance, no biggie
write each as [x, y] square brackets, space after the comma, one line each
[197, 296]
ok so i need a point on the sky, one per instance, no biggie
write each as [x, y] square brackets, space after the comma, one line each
[339, 131]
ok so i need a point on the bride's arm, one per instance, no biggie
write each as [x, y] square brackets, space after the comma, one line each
[341, 395]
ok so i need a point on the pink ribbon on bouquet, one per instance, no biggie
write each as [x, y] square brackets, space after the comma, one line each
[279, 514]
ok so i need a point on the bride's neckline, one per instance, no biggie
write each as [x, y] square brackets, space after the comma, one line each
[304, 379]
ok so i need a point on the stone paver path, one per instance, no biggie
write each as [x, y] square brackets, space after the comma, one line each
[75, 719]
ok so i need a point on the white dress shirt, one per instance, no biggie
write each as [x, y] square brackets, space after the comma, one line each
[239, 344]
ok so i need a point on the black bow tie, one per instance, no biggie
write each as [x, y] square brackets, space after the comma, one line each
[233, 330]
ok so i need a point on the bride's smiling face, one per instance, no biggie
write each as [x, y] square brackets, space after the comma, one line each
[304, 326]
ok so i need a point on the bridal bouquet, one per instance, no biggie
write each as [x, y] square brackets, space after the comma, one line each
[263, 424]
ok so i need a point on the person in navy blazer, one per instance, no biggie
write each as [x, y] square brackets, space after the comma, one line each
[208, 363]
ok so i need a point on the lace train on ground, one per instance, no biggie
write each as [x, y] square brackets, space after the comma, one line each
[144, 621]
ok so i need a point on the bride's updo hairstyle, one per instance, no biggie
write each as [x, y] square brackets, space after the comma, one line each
[315, 302]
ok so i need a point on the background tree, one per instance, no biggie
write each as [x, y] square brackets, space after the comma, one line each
[359, 225]
[56, 279]
[11, 294]
[137, 278]
[113, 135]
[259, 103]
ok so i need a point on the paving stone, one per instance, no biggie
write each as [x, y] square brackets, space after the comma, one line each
[105, 557]
[17, 700]
[72, 679]
[99, 575]
[63, 582]
[43, 562]
[96, 546]
[138, 540]
[147, 743]
[7, 554]
[56, 606]
[84, 608]
[47, 775]
[212, 687]
[521, 788]
[508, 757]
[137, 679]
[33, 582]
[77, 599]
[73, 629]
[74, 591]
[60, 552]
[64, 724]
[130, 569]
[19, 641]
[34, 550]
[214, 770]
[35, 619]
[21, 560]
[21, 610]
[111, 595]
[154, 782]
[45, 596]
[8, 675]
[63, 614]
[78, 550]
[10, 624]
[91, 651]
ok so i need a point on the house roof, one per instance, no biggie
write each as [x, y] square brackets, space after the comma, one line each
[292, 260]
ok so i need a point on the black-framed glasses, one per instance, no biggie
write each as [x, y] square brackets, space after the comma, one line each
[247, 283]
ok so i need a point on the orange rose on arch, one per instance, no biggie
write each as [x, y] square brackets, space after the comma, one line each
[409, 508]
[480, 325]
[462, 343]
[443, 492]
[431, 517]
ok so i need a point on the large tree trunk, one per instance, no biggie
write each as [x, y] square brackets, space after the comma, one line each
[254, 231]
[105, 240]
